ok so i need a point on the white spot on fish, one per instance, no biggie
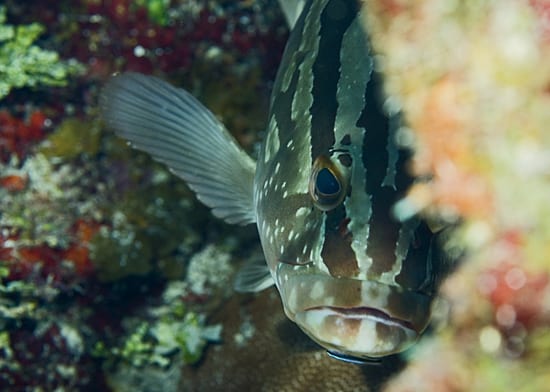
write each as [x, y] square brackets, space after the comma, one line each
[272, 140]
[317, 290]
[290, 234]
[301, 212]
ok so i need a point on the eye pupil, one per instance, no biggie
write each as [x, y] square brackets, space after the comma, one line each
[327, 186]
[326, 183]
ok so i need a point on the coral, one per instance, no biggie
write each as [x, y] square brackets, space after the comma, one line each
[188, 335]
[17, 299]
[149, 225]
[209, 269]
[91, 230]
[277, 357]
[42, 212]
[72, 138]
[118, 250]
[173, 335]
[451, 100]
[17, 136]
[171, 36]
[472, 82]
[40, 347]
[23, 64]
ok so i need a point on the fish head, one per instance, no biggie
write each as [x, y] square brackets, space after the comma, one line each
[354, 277]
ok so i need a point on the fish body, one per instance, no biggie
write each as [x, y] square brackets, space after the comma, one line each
[354, 277]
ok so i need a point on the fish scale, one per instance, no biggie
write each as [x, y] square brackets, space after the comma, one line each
[355, 278]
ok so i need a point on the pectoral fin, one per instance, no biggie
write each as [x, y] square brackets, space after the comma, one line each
[253, 277]
[177, 130]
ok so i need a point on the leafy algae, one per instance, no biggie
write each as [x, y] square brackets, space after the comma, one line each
[24, 64]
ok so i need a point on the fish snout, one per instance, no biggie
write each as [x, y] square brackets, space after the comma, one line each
[361, 318]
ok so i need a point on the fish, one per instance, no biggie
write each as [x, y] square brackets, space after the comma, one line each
[357, 278]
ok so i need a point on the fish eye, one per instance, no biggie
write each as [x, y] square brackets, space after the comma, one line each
[326, 185]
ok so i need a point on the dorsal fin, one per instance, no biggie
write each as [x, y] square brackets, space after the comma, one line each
[292, 10]
[177, 130]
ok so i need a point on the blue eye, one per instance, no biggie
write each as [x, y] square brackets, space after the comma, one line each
[326, 184]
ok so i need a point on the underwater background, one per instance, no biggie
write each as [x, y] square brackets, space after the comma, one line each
[113, 277]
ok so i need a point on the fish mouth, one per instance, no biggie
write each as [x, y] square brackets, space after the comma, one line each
[361, 332]
[360, 318]
[362, 312]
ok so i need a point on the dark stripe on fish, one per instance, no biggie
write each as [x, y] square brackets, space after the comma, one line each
[335, 20]
[384, 230]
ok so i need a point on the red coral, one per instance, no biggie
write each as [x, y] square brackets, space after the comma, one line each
[79, 252]
[542, 9]
[40, 263]
[13, 182]
[510, 286]
[518, 296]
[17, 136]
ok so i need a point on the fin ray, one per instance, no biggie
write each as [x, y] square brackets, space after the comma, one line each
[253, 277]
[177, 130]
[292, 10]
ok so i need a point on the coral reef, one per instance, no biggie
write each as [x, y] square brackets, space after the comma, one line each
[472, 80]
[262, 350]
[172, 337]
[109, 267]
[113, 277]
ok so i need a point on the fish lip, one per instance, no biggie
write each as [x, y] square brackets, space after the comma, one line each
[359, 312]
[359, 332]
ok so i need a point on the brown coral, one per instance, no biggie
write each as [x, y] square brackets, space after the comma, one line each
[275, 355]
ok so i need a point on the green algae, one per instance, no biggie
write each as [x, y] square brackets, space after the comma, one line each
[171, 333]
[24, 64]
[120, 251]
[136, 350]
[22, 300]
[72, 138]
[157, 10]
